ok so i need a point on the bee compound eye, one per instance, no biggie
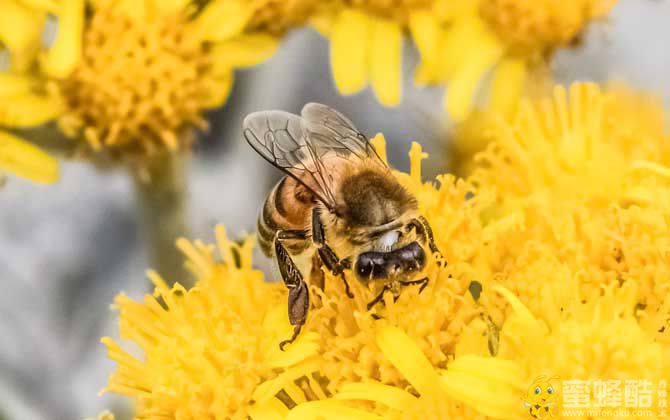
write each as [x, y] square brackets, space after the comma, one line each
[364, 266]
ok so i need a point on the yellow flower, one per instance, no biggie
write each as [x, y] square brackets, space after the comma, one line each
[471, 387]
[556, 267]
[150, 69]
[278, 16]
[459, 42]
[26, 98]
[211, 345]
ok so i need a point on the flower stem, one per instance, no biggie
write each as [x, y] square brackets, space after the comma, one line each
[161, 199]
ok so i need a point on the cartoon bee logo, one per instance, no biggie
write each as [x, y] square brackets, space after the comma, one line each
[541, 398]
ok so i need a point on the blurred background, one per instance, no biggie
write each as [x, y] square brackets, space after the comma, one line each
[67, 249]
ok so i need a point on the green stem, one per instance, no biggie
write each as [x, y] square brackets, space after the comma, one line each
[161, 201]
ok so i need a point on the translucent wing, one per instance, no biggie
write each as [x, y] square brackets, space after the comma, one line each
[312, 149]
[329, 130]
[279, 137]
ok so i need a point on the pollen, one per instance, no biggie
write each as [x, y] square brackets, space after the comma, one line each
[139, 85]
[537, 26]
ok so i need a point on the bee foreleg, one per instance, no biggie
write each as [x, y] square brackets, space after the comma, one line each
[423, 229]
[380, 296]
[423, 282]
[328, 256]
[298, 292]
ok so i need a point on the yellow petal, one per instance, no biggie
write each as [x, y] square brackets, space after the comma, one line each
[271, 410]
[391, 396]
[455, 44]
[519, 308]
[426, 33]
[406, 356]
[20, 31]
[243, 51]
[449, 10]
[25, 160]
[416, 155]
[349, 44]
[222, 19]
[65, 52]
[492, 369]
[50, 6]
[168, 7]
[462, 88]
[329, 409]
[134, 9]
[268, 389]
[651, 167]
[29, 110]
[482, 395]
[218, 90]
[322, 23]
[379, 143]
[507, 85]
[14, 84]
[386, 61]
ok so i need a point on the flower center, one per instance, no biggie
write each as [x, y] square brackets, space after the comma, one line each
[138, 84]
[532, 26]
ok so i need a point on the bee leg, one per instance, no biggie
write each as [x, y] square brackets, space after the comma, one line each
[380, 296]
[328, 256]
[423, 229]
[298, 292]
[423, 282]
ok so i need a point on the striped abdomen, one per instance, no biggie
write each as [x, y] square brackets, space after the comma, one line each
[288, 207]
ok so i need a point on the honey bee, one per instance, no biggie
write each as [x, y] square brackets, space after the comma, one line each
[338, 206]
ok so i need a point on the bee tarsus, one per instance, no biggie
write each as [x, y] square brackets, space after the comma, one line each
[379, 298]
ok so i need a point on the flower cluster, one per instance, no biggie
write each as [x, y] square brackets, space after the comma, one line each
[459, 42]
[128, 78]
[558, 266]
[26, 100]
[148, 70]
[131, 79]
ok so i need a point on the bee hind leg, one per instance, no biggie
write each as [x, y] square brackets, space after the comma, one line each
[298, 292]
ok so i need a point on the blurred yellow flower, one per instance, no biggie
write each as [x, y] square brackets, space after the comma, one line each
[459, 42]
[26, 97]
[558, 264]
[366, 40]
[279, 16]
[149, 70]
